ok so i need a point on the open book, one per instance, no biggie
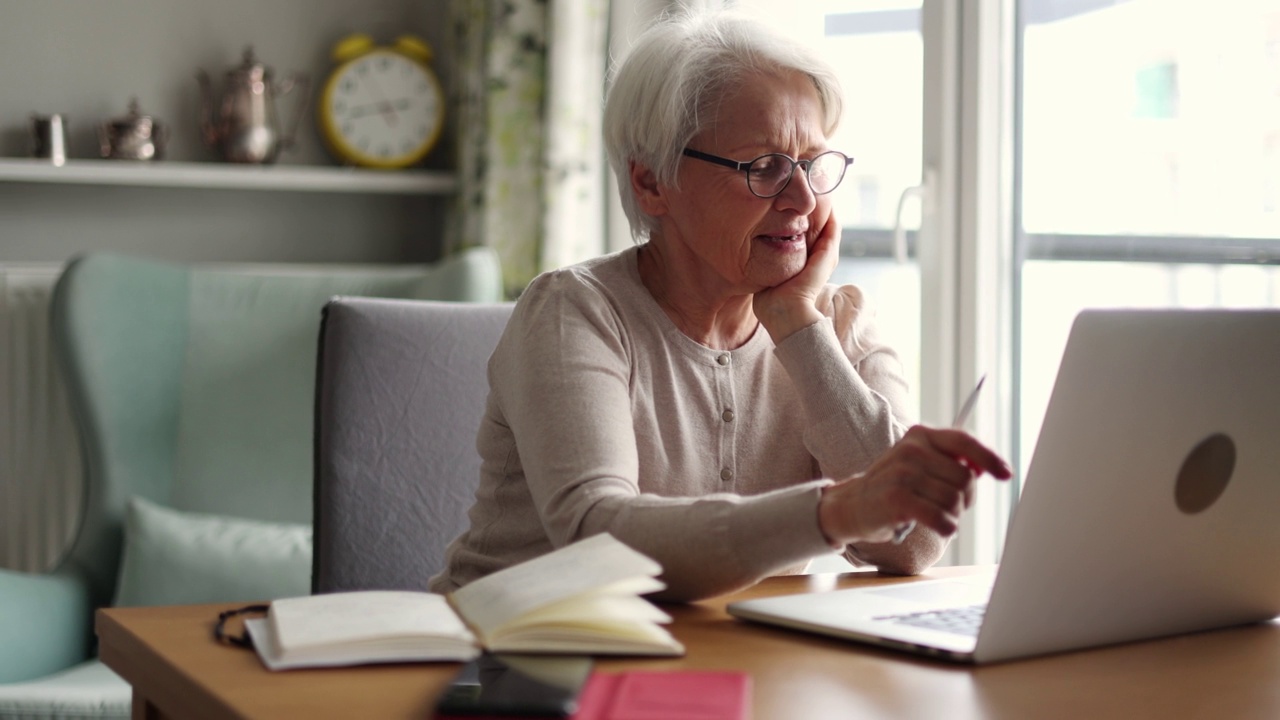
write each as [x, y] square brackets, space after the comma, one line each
[583, 599]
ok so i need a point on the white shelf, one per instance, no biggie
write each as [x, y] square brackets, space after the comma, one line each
[164, 173]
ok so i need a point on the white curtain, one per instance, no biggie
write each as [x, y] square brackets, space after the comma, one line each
[528, 80]
[573, 220]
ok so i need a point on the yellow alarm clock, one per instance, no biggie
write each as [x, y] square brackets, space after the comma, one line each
[382, 107]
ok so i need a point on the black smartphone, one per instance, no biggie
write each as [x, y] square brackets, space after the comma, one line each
[516, 685]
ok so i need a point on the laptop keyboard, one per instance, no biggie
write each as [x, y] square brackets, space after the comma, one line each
[958, 620]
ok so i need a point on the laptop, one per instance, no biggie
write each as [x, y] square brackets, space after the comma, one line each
[1151, 505]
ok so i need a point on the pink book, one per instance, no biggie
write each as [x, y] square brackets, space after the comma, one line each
[671, 695]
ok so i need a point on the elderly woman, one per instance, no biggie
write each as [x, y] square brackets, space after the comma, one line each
[706, 396]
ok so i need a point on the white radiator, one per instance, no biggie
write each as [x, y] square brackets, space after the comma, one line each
[40, 483]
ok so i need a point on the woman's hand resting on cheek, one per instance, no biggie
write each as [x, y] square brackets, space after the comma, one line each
[927, 476]
[792, 305]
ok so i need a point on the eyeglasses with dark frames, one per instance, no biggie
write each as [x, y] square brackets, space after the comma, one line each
[770, 174]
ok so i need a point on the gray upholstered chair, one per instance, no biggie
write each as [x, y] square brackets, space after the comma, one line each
[401, 387]
[193, 388]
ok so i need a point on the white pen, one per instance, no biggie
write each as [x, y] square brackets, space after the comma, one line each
[902, 531]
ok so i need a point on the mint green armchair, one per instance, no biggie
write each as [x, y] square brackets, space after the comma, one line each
[193, 388]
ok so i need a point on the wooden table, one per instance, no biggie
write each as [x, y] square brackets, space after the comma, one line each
[178, 671]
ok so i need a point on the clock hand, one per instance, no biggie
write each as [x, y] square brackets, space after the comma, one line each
[389, 114]
[360, 111]
[376, 108]
[385, 107]
[389, 108]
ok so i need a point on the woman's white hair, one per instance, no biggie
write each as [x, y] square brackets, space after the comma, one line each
[665, 91]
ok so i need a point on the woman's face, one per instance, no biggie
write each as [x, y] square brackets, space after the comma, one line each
[738, 242]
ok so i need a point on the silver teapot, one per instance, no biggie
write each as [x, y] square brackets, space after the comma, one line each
[242, 124]
[132, 137]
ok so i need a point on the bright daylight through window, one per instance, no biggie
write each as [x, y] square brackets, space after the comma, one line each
[1150, 165]
[1143, 153]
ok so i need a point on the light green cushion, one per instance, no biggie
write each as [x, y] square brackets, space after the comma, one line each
[181, 558]
[244, 409]
[87, 691]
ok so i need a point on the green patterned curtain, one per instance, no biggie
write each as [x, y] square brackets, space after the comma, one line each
[529, 84]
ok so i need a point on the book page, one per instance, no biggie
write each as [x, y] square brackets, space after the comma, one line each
[264, 642]
[508, 594]
[360, 617]
[592, 608]
[604, 618]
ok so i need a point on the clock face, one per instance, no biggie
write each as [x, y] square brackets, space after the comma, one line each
[382, 109]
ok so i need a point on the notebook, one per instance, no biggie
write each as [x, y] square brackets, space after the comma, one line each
[1151, 504]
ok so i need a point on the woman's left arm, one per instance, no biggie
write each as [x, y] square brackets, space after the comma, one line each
[856, 401]
[851, 385]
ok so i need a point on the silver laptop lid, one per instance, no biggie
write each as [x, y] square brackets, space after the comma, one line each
[1152, 499]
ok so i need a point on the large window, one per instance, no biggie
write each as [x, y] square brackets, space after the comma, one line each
[1129, 151]
[1149, 168]
[909, 232]
[887, 54]
[1069, 154]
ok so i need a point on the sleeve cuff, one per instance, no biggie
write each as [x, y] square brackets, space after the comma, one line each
[781, 528]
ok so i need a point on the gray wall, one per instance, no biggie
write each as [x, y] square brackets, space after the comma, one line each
[87, 58]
